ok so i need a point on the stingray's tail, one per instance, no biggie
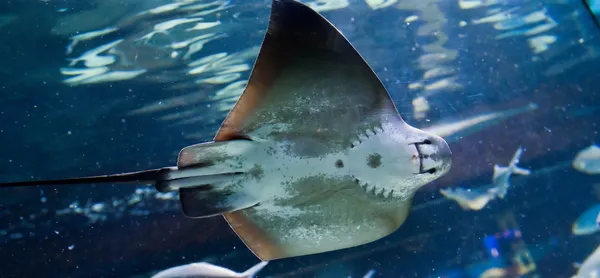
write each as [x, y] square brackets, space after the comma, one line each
[150, 177]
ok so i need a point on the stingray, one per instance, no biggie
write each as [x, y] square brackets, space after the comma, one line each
[313, 157]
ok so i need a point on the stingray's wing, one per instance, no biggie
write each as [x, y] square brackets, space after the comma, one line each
[308, 81]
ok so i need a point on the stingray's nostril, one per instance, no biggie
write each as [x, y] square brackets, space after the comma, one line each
[431, 171]
[426, 141]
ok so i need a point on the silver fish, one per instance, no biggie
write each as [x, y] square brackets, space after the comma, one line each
[471, 199]
[456, 130]
[590, 267]
[588, 160]
[206, 270]
[587, 222]
[502, 174]
[314, 156]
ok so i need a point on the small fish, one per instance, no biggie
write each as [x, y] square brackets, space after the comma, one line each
[202, 6]
[109, 77]
[186, 43]
[206, 270]
[212, 11]
[438, 72]
[164, 27]
[92, 58]
[588, 160]
[369, 274]
[590, 267]
[541, 43]
[313, 157]
[207, 60]
[497, 17]
[520, 21]
[87, 36]
[456, 130]
[471, 199]
[587, 222]
[220, 79]
[502, 174]
[444, 84]
[476, 199]
[322, 6]
[163, 9]
[550, 24]
[380, 4]
[82, 74]
[199, 45]
[204, 26]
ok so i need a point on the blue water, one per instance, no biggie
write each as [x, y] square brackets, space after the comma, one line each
[54, 128]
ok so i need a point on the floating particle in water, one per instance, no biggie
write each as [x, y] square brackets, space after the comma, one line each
[71, 247]
[56, 232]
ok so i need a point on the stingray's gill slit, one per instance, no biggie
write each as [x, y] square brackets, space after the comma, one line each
[281, 169]
[365, 134]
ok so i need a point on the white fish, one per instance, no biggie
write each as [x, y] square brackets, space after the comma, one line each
[369, 274]
[590, 268]
[220, 79]
[328, 5]
[513, 23]
[444, 84]
[212, 11]
[500, 16]
[313, 157]
[437, 72]
[502, 174]
[233, 69]
[197, 46]
[82, 74]
[164, 27]
[411, 18]
[186, 43]
[207, 60]
[163, 9]
[204, 26]
[206, 270]
[587, 222]
[234, 89]
[92, 59]
[87, 36]
[541, 43]
[471, 199]
[107, 77]
[178, 115]
[456, 130]
[588, 160]
[205, 5]
[538, 29]
[380, 4]
[478, 198]
[472, 4]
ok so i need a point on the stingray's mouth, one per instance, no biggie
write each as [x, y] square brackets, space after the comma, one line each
[422, 156]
